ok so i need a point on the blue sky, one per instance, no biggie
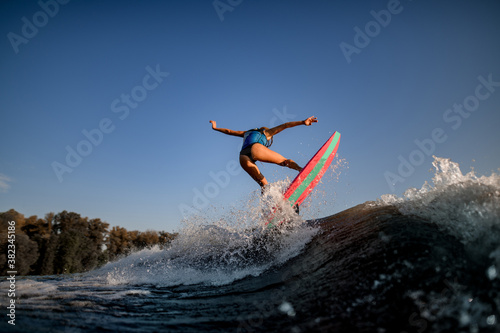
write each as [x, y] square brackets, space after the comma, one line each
[143, 78]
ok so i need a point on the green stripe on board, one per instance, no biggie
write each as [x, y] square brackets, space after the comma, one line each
[314, 172]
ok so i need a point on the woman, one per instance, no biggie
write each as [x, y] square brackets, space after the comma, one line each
[256, 143]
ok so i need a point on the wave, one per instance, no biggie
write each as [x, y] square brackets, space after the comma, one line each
[424, 262]
[466, 206]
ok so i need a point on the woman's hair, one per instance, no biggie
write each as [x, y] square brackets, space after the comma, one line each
[269, 143]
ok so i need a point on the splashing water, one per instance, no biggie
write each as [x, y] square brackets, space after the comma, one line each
[219, 250]
[465, 205]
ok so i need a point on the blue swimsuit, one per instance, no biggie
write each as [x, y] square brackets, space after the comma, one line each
[250, 138]
[254, 136]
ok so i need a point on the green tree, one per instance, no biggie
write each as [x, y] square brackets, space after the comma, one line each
[68, 243]
[23, 250]
[26, 254]
[48, 252]
[80, 243]
[68, 254]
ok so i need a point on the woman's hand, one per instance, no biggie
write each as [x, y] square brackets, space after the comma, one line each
[310, 120]
[214, 124]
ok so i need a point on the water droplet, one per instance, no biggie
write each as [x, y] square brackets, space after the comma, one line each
[287, 308]
[464, 318]
[492, 272]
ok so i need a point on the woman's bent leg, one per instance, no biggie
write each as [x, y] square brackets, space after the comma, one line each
[251, 168]
[264, 154]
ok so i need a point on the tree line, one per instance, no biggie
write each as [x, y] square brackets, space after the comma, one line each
[67, 243]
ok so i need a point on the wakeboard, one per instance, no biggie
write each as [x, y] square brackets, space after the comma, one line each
[309, 177]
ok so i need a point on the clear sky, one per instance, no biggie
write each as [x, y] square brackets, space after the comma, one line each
[105, 104]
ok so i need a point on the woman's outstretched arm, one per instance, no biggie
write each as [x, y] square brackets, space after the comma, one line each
[277, 129]
[225, 130]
